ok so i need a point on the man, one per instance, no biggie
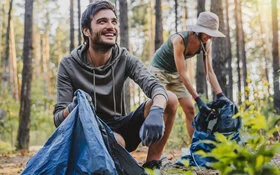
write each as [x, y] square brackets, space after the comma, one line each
[100, 68]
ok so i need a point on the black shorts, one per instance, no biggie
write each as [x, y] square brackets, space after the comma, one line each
[128, 127]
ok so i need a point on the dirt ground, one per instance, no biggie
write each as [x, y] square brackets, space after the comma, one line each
[14, 163]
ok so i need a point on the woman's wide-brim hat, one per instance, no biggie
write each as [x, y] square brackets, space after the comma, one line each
[208, 23]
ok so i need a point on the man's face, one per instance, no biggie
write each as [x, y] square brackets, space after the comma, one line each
[104, 29]
[205, 38]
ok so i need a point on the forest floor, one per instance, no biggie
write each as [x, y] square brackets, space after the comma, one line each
[14, 163]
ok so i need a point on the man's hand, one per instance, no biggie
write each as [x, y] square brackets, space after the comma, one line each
[73, 104]
[203, 108]
[152, 129]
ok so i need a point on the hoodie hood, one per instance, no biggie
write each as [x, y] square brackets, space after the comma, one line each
[80, 56]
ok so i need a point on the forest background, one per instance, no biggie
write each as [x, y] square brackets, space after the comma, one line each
[36, 34]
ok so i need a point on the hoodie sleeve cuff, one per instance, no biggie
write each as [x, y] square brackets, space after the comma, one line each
[160, 91]
[58, 118]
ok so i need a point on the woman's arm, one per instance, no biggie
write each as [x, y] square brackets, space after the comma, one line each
[209, 72]
[179, 47]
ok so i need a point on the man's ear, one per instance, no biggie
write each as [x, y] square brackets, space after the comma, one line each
[86, 32]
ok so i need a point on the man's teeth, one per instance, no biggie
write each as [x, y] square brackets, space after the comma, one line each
[110, 34]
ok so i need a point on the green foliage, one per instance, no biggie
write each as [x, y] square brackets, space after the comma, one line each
[5, 147]
[152, 172]
[41, 114]
[179, 136]
[254, 155]
[8, 125]
[139, 14]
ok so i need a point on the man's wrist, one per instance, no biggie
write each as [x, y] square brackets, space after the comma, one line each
[159, 100]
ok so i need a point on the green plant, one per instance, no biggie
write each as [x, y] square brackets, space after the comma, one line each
[252, 156]
[9, 124]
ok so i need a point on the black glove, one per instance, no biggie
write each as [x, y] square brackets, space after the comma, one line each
[203, 108]
[73, 104]
[222, 97]
[152, 129]
[221, 101]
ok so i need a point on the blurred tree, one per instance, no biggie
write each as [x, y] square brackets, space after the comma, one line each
[72, 27]
[176, 15]
[25, 101]
[241, 44]
[79, 22]
[219, 46]
[185, 15]
[5, 73]
[124, 42]
[263, 46]
[37, 52]
[159, 28]
[2, 19]
[229, 88]
[151, 31]
[201, 85]
[275, 55]
[45, 62]
[237, 35]
[13, 64]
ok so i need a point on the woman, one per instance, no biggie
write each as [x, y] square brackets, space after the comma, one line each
[168, 63]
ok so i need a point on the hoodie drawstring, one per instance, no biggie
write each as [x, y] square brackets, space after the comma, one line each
[114, 95]
[94, 90]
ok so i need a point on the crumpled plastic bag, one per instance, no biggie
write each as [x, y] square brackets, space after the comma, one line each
[82, 144]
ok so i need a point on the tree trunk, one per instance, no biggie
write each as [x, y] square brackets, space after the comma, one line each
[159, 29]
[79, 22]
[185, 15]
[152, 30]
[243, 52]
[13, 65]
[275, 55]
[229, 89]
[176, 16]
[72, 27]
[263, 47]
[5, 73]
[2, 12]
[124, 42]
[219, 46]
[201, 85]
[37, 52]
[45, 62]
[25, 101]
[237, 33]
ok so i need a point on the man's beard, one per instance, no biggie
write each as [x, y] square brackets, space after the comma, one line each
[97, 43]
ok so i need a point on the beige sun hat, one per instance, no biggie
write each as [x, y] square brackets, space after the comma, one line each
[208, 23]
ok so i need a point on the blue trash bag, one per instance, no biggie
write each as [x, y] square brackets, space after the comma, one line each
[220, 120]
[82, 144]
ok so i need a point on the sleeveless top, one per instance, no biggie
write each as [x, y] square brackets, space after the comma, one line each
[164, 56]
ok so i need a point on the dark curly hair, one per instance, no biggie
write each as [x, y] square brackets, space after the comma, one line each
[90, 11]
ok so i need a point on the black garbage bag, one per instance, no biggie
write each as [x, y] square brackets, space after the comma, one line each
[221, 120]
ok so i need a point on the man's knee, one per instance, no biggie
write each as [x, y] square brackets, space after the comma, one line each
[119, 139]
[172, 103]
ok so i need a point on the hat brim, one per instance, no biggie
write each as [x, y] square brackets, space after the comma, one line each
[200, 29]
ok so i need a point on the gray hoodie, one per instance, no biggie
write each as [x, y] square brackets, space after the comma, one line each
[104, 84]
